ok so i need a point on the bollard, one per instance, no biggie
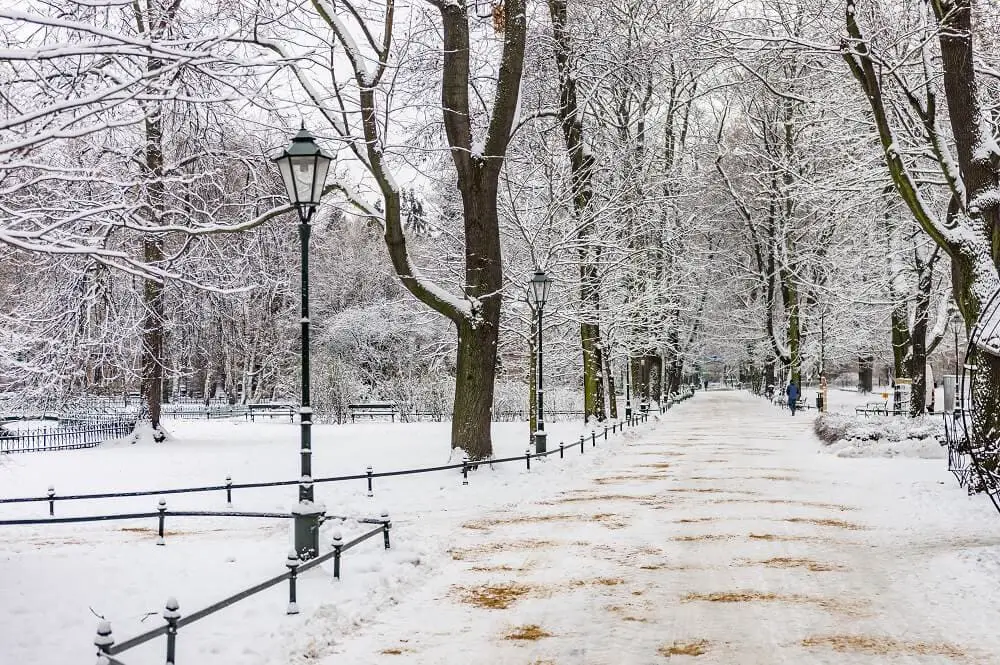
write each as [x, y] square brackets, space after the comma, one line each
[52, 500]
[229, 491]
[581, 444]
[386, 525]
[370, 493]
[605, 432]
[560, 450]
[614, 428]
[171, 613]
[162, 507]
[593, 439]
[338, 543]
[103, 642]
[527, 458]
[465, 470]
[293, 573]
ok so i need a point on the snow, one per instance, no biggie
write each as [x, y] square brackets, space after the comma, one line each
[60, 575]
[884, 436]
[617, 549]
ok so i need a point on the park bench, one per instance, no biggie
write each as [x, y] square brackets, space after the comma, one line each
[873, 409]
[782, 401]
[271, 410]
[373, 409]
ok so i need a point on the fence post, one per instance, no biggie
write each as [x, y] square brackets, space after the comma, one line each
[370, 493]
[162, 507]
[593, 439]
[560, 450]
[581, 444]
[527, 458]
[171, 613]
[386, 525]
[103, 642]
[338, 543]
[52, 501]
[229, 491]
[293, 572]
[465, 469]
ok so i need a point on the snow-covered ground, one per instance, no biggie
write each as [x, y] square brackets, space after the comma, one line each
[721, 529]
[56, 578]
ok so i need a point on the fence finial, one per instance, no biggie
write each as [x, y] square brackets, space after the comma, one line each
[103, 642]
[386, 525]
[161, 506]
[172, 614]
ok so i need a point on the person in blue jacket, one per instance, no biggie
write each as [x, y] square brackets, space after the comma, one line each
[793, 396]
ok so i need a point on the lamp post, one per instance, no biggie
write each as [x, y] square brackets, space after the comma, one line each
[628, 394]
[540, 284]
[304, 167]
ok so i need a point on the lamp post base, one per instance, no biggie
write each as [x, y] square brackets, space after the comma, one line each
[540, 442]
[307, 533]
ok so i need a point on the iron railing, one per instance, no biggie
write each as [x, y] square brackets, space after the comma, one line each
[79, 434]
[369, 475]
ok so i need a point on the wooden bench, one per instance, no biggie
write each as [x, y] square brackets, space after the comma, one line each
[373, 409]
[271, 410]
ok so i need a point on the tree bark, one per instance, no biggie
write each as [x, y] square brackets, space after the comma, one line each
[610, 378]
[866, 373]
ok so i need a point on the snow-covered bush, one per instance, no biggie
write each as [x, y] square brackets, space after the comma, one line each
[880, 436]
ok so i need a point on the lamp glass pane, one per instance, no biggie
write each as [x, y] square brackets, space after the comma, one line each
[322, 169]
[545, 288]
[285, 168]
[303, 169]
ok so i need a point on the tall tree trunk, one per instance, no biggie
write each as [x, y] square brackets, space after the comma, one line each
[153, 326]
[918, 356]
[790, 295]
[600, 412]
[609, 376]
[473, 407]
[581, 169]
[477, 317]
[901, 341]
[866, 373]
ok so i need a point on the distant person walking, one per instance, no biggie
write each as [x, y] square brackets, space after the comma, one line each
[793, 396]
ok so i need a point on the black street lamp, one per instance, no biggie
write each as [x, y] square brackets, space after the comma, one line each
[628, 394]
[540, 284]
[304, 168]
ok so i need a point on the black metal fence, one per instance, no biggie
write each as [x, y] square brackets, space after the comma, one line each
[105, 643]
[369, 476]
[72, 433]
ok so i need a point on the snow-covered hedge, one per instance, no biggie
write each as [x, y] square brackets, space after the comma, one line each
[881, 436]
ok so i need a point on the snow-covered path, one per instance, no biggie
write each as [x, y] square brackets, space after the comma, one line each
[724, 535]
